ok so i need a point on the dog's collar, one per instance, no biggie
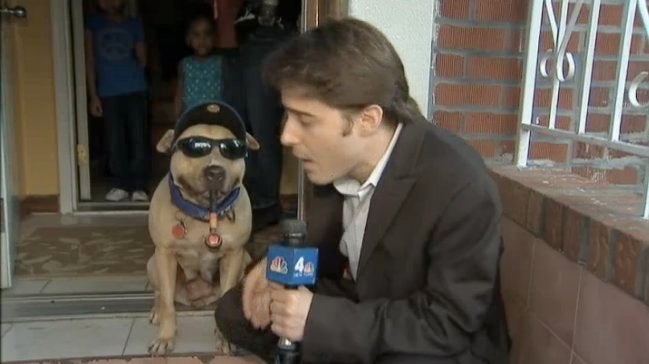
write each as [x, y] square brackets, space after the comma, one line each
[196, 211]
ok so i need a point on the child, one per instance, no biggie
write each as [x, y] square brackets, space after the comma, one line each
[115, 61]
[200, 76]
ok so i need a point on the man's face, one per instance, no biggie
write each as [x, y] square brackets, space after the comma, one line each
[320, 136]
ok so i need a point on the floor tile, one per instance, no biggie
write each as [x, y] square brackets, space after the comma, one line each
[65, 339]
[195, 335]
[96, 284]
[22, 287]
[5, 329]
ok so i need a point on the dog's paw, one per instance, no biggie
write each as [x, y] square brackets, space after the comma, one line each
[222, 345]
[162, 346]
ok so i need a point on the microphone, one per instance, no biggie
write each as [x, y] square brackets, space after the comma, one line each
[291, 264]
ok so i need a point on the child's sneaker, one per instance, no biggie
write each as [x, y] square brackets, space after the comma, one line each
[139, 196]
[116, 195]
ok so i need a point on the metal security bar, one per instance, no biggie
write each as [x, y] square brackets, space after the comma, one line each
[560, 66]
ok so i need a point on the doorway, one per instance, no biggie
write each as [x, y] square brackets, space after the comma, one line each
[164, 25]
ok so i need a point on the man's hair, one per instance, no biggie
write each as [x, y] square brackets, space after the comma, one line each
[347, 64]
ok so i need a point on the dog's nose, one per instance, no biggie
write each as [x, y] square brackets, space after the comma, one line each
[214, 174]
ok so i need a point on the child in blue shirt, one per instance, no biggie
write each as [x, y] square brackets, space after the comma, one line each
[115, 61]
[200, 76]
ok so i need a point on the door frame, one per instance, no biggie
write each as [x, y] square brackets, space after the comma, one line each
[9, 182]
[65, 101]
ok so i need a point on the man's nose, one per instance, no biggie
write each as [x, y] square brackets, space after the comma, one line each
[288, 137]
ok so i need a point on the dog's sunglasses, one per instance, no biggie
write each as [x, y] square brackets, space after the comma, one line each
[196, 147]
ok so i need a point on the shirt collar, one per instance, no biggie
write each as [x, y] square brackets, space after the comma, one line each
[350, 187]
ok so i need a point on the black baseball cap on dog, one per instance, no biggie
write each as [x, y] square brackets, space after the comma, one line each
[211, 113]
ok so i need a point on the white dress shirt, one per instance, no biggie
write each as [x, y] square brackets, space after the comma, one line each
[356, 206]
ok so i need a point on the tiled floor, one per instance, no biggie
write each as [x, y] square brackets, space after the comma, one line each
[106, 337]
[122, 337]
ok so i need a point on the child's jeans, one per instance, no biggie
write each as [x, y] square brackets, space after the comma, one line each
[125, 120]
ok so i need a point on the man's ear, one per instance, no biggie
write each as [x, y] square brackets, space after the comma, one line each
[251, 142]
[371, 117]
[164, 144]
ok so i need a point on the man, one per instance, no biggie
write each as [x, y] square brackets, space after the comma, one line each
[404, 215]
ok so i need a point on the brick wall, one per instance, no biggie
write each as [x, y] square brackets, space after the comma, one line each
[478, 62]
[478, 68]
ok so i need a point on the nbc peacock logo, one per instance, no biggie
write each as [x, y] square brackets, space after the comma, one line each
[278, 265]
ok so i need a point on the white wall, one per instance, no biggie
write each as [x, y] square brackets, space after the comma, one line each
[408, 24]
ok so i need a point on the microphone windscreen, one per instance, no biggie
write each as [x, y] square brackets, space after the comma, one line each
[294, 227]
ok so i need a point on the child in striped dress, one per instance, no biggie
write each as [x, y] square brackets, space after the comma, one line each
[200, 76]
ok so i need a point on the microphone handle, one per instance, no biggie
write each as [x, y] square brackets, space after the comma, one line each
[288, 352]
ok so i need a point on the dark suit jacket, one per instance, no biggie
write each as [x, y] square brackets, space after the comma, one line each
[427, 284]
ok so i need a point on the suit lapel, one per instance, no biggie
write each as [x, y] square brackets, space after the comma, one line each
[394, 186]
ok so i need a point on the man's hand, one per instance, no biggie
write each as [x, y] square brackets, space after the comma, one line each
[256, 296]
[95, 107]
[289, 309]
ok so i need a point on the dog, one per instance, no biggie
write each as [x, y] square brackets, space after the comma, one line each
[200, 216]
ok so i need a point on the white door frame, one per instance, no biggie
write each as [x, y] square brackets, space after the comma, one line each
[65, 101]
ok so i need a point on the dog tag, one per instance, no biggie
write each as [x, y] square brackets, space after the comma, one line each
[213, 241]
[178, 231]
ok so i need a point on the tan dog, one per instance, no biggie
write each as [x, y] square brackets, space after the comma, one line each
[183, 266]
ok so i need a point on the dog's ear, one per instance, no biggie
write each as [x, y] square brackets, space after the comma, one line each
[164, 145]
[251, 142]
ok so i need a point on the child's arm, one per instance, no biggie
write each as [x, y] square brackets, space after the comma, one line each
[95, 102]
[178, 98]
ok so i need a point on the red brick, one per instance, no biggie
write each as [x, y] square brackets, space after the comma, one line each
[542, 98]
[635, 67]
[607, 43]
[534, 219]
[604, 70]
[583, 14]
[546, 42]
[551, 151]
[633, 124]
[494, 68]
[454, 9]
[610, 15]
[471, 95]
[552, 223]
[514, 196]
[597, 123]
[502, 11]
[599, 97]
[488, 123]
[486, 148]
[448, 65]
[515, 41]
[587, 151]
[626, 176]
[451, 121]
[629, 253]
[511, 97]
[507, 147]
[471, 38]
[574, 233]
[599, 250]
[563, 123]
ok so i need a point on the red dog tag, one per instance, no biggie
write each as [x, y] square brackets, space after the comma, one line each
[178, 231]
[213, 241]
